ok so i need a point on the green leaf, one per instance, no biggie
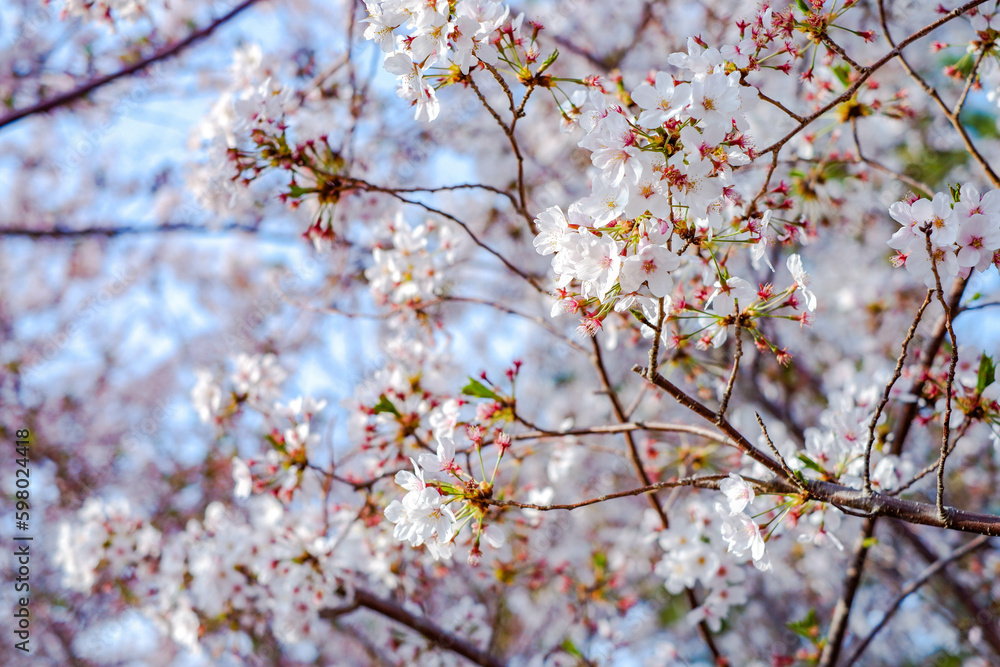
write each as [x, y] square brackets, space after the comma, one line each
[638, 314]
[812, 465]
[480, 390]
[296, 191]
[807, 627]
[548, 62]
[571, 648]
[987, 371]
[385, 405]
[843, 74]
[803, 6]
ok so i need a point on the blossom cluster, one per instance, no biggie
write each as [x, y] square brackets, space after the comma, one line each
[256, 380]
[410, 266]
[740, 532]
[692, 555]
[665, 184]
[949, 235]
[438, 33]
[221, 573]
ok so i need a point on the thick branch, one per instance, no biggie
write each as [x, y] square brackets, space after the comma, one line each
[702, 411]
[842, 611]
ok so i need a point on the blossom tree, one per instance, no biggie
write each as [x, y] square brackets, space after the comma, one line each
[543, 333]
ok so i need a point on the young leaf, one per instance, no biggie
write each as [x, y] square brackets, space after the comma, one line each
[807, 627]
[385, 405]
[480, 390]
[987, 371]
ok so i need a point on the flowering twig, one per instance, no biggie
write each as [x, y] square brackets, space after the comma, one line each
[933, 93]
[871, 69]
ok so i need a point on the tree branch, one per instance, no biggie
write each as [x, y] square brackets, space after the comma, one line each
[431, 631]
[911, 588]
[871, 69]
[82, 91]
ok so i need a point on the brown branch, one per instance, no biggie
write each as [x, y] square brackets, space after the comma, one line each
[73, 233]
[912, 182]
[839, 50]
[871, 69]
[703, 629]
[911, 588]
[81, 91]
[936, 97]
[980, 616]
[431, 631]
[848, 499]
[866, 474]
[962, 430]
[776, 103]
[728, 393]
[705, 413]
[838, 623]
[633, 449]
[705, 482]
[521, 207]
[781, 459]
[842, 610]
[608, 429]
[472, 235]
[949, 381]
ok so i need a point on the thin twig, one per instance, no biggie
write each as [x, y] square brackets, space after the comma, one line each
[839, 50]
[781, 459]
[933, 93]
[962, 430]
[912, 182]
[979, 615]
[911, 588]
[871, 69]
[728, 393]
[85, 89]
[703, 628]
[866, 474]
[949, 380]
[422, 625]
[472, 235]
[703, 482]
